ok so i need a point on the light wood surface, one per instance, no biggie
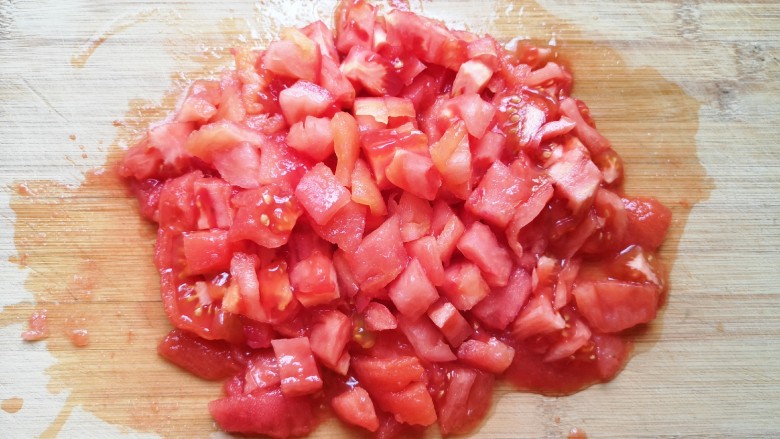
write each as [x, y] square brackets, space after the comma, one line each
[687, 90]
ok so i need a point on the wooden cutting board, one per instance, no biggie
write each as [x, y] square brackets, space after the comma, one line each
[686, 90]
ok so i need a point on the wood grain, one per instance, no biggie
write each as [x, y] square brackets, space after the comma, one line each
[655, 73]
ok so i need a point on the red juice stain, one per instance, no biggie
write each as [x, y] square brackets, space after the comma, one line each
[577, 433]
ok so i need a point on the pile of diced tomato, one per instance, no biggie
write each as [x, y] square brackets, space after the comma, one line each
[381, 220]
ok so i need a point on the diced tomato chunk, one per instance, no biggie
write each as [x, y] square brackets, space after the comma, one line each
[320, 194]
[265, 215]
[412, 405]
[538, 317]
[379, 318]
[329, 337]
[575, 177]
[297, 366]
[313, 280]
[414, 173]
[411, 292]
[498, 194]
[472, 77]
[465, 401]
[294, 56]
[491, 356]
[312, 137]
[464, 285]
[220, 136]
[240, 165]
[207, 251]
[346, 143]
[480, 246]
[502, 305]
[354, 406]
[451, 322]
[346, 227]
[426, 250]
[262, 372]
[426, 339]
[365, 191]
[304, 99]
[380, 258]
[612, 306]
[387, 374]
[370, 71]
[648, 221]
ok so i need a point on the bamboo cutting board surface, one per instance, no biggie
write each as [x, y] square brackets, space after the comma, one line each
[686, 90]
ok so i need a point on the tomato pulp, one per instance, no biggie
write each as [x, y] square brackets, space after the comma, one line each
[384, 218]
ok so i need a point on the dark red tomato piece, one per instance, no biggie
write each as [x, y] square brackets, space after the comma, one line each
[612, 306]
[380, 258]
[297, 366]
[207, 359]
[464, 285]
[265, 216]
[354, 406]
[466, 397]
[491, 356]
[498, 194]
[294, 56]
[303, 99]
[648, 222]
[378, 317]
[502, 305]
[450, 322]
[268, 413]
[479, 245]
[371, 72]
[312, 137]
[320, 194]
[426, 339]
[330, 334]
[412, 292]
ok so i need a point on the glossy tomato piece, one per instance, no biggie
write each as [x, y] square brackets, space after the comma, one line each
[452, 157]
[491, 356]
[576, 178]
[412, 405]
[355, 21]
[320, 194]
[346, 228]
[378, 317]
[207, 251]
[612, 306]
[346, 143]
[380, 258]
[268, 413]
[354, 406]
[294, 56]
[265, 216]
[365, 190]
[497, 195]
[240, 165]
[450, 322]
[390, 374]
[330, 334]
[466, 395]
[303, 99]
[537, 317]
[427, 39]
[207, 359]
[313, 280]
[297, 367]
[480, 245]
[312, 137]
[426, 339]
[412, 292]
[502, 305]
[218, 137]
[371, 72]
[414, 173]
[464, 285]
[426, 250]
[648, 222]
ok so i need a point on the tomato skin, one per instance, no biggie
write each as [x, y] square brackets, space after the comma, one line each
[207, 359]
[270, 413]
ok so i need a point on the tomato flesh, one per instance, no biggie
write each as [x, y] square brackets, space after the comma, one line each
[386, 217]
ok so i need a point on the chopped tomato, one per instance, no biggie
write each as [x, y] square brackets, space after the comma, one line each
[312, 137]
[303, 99]
[491, 356]
[271, 413]
[266, 216]
[295, 56]
[412, 292]
[480, 246]
[380, 258]
[320, 194]
[297, 367]
[208, 359]
[354, 406]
